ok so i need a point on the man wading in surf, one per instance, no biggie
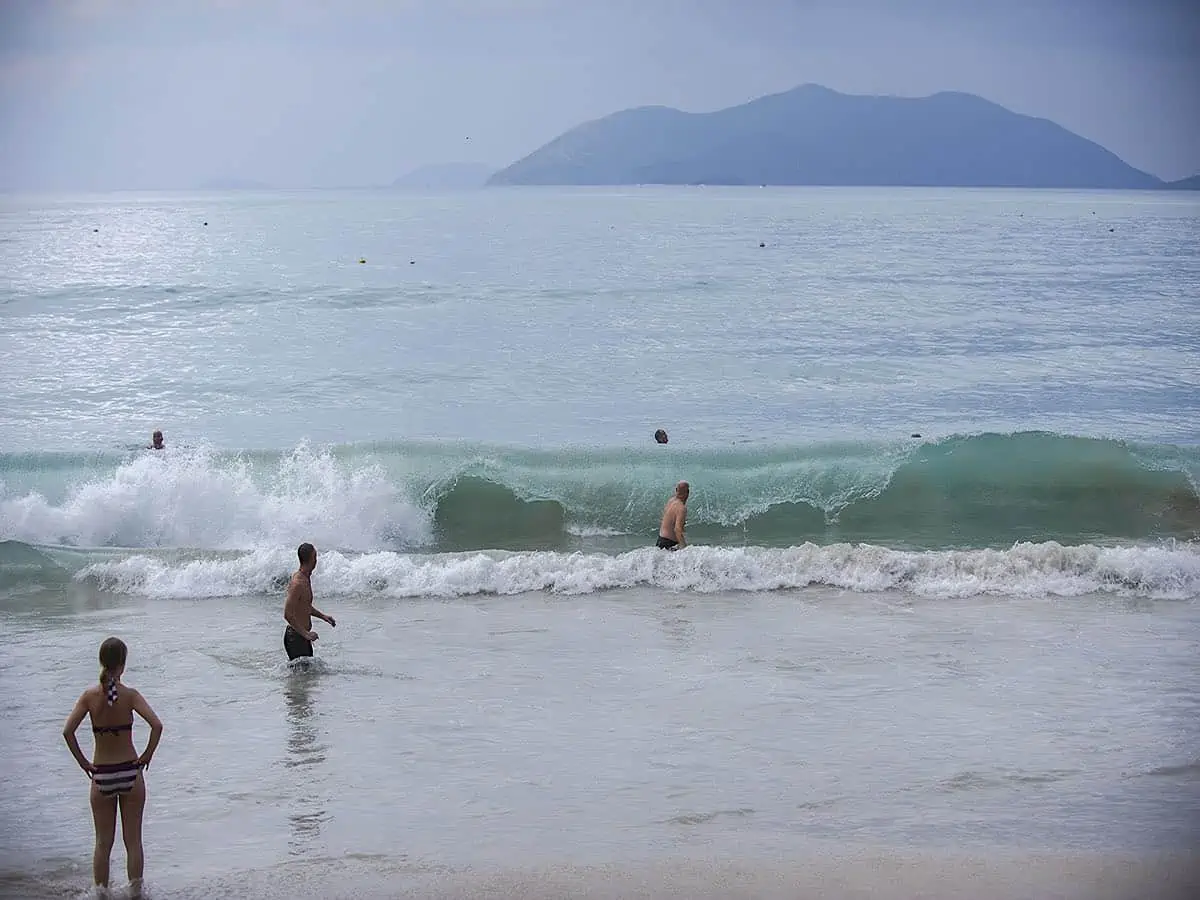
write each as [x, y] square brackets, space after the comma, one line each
[670, 532]
[298, 608]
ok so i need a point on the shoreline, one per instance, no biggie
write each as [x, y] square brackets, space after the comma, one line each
[837, 873]
[840, 875]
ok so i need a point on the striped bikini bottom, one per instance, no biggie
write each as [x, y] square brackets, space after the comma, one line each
[116, 778]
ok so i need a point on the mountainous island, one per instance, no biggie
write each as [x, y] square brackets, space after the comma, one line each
[446, 176]
[812, 135]
[1185, 184]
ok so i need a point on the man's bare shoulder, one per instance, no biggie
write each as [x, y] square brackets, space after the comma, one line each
[300, 586]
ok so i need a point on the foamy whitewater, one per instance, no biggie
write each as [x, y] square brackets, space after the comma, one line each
[936, 632]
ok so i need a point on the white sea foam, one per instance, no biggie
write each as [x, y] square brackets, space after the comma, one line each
[1027, 570]
[197, 500]
[587, 531]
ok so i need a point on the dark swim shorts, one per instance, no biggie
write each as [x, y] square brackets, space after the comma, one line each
[665, 543]
[295, 645]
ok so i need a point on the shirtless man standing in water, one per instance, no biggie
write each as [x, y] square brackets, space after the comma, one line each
[670, 532]
[298, 608]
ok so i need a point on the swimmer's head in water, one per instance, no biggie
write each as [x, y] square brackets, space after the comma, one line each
[157, 440]
[660, 436]
[682, 490]
[112, 663]
[308, 556]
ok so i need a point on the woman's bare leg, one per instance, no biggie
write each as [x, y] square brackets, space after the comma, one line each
[133, 805]
[104, 817]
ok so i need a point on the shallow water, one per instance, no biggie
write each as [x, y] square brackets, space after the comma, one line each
[537, 729]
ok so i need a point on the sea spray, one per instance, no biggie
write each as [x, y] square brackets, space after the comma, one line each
[202, 499]
[1169, 572]
[986, 490]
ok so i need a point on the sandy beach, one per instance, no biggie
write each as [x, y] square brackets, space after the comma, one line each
[838, 876]
[830, 874]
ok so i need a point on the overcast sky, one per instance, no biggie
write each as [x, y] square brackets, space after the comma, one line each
[98, 94]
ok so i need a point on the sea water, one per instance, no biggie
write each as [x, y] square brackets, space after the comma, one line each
[944, 449]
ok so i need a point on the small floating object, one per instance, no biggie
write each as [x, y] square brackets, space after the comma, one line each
[95, 230]
[362, 260]
[914, 434]
[1111, 230]
[205, 224]
[762, 244]
[412, 262]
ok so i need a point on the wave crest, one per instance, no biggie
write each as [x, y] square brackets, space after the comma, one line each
[976, 491]
[1034, 570]
[202, 499]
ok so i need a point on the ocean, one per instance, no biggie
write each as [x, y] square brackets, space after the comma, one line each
[935, 633]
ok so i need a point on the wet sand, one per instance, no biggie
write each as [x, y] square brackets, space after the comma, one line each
[840, 877]
[843, 874]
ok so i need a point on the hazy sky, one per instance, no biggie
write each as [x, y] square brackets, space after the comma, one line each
[171, 93]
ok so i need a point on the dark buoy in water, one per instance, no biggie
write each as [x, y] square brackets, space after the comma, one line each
[914, 434]
[95, 230]
[762, 244]
[412, 262]
[205, 224]
[660, 437]
[1111, 230]
[362, 260]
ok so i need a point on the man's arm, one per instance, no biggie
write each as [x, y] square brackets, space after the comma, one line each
[290, 605]
[294, 621]
[320, 615]
[680, 516]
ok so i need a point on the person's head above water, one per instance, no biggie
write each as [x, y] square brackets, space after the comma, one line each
[112, 664]
[308, 556]
[156, 440]
[682, 490]
[660, 436]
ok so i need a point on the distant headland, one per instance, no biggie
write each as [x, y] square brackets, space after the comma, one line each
[447, 176]
[812, 135]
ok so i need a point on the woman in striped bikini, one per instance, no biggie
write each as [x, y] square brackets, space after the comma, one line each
[116, 769]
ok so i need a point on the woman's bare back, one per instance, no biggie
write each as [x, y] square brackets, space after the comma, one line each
[112, 726]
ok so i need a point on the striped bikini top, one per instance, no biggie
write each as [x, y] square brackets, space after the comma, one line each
[110, 695]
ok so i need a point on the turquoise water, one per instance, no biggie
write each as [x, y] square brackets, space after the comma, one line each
[944, 449]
